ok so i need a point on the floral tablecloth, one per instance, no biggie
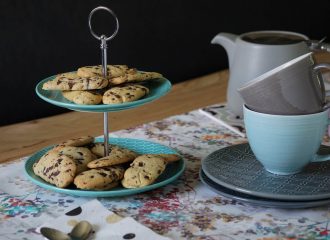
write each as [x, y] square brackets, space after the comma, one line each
[184, 209]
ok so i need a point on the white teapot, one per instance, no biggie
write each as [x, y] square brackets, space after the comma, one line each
[254, 53]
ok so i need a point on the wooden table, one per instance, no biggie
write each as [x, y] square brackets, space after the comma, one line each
[22, 139]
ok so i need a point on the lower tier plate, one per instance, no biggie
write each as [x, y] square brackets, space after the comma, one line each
[171, 173]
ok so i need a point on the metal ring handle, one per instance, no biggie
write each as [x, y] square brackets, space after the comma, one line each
[90, 22]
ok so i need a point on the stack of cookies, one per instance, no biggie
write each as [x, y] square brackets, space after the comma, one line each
[82, 162]
[88, 86]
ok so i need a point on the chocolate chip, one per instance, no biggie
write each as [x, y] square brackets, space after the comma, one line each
[71, 84]
[103, 174]
[74, 212]
[129, 236]
[46, 170]
[55, 173]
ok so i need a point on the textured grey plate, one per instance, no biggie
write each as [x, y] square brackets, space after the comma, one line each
[259, 201]
[236, 168]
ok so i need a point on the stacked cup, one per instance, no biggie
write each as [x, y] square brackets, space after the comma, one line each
[286, 115]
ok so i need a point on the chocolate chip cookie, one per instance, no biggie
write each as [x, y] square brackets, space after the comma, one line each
[132, 75]
[81, 155]
[117, 155]
[71, 81]
[56, 169]
[87, 97]
[79, 141]
[99, 179]
[143, 171]
[122, 94]
[112, 71]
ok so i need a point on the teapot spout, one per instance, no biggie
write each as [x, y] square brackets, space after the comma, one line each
[227, 40]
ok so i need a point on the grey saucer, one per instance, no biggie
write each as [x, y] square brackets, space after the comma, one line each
[259, 201]
[236, 168]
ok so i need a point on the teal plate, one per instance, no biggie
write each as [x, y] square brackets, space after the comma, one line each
[171, 173]
[157, 88]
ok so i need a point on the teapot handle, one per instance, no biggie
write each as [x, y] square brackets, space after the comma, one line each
[324, 47]
[318, 45]
[316, 68]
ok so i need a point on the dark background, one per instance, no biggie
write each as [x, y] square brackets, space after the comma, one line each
[41, 38]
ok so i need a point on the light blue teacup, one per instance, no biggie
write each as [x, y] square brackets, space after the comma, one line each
[285, 144]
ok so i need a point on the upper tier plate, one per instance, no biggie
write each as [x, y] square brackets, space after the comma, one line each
[158, 88]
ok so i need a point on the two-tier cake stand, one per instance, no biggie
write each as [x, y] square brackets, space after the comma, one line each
[157, 88]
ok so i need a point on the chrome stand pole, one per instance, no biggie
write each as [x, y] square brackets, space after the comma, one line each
[104, 40]
[105, 114]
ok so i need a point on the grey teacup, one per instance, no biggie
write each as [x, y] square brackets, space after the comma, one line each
[295, 87]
